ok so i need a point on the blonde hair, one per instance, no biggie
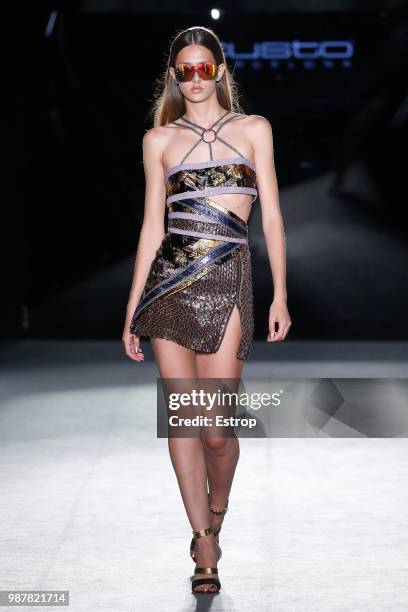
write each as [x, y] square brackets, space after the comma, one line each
[169, 103]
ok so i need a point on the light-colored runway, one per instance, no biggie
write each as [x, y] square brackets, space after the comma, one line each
[90, 503]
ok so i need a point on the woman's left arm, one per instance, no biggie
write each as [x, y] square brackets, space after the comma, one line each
[272, 224]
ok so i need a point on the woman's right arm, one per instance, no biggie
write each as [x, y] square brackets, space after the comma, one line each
[151, 233]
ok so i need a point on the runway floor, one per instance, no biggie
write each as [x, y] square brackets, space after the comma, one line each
[90, 502]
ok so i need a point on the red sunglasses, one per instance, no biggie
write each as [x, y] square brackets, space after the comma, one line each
[206, 71]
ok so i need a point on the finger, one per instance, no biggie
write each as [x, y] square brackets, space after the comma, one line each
[272, 331]
[131, 343]
[278, 334]
[132, 348]
[137, 350]
[281, 329]
[285, 329]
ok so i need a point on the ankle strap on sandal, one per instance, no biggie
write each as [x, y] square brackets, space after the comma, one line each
[206, 570]
[219, 511]
[203, 532]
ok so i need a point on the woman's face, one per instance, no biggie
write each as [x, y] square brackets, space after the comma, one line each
[197, 89]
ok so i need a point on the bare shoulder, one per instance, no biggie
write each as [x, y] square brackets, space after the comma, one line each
[154, 143]
[155, 137]
[259, 133]
[259, 124]
[256, 127]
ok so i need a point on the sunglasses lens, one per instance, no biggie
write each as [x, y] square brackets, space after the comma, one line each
[206, 72]
[209, 71]
[182, 73]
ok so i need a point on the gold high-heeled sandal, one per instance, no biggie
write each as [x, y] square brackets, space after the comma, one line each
[218, 512]
[205, 570]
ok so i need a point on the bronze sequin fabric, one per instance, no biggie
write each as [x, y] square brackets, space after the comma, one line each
[196, 316]
[228, 175]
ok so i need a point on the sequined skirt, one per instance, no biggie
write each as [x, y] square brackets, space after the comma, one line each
[201, 270]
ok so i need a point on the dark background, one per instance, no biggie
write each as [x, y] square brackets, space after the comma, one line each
[77, 90]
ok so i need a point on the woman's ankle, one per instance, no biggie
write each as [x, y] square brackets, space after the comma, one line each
[206, 545]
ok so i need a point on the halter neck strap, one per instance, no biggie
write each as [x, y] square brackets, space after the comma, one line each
[202, 131]
[203, 128]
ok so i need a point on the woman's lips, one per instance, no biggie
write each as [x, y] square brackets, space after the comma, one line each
[196, 89]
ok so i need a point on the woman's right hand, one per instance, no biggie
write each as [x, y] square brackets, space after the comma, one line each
[131, 343]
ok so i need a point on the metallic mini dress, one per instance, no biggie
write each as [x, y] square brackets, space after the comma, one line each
[203, 265]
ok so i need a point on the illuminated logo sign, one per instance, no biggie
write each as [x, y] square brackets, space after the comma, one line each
[293, 49]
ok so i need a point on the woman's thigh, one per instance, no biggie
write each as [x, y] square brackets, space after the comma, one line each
[224, 363]
[174, 360]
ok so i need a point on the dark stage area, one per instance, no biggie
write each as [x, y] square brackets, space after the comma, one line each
[331, 83]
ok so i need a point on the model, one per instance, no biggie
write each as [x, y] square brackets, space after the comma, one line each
[192, 287]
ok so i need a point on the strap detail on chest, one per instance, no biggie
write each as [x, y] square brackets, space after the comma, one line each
[208, 135]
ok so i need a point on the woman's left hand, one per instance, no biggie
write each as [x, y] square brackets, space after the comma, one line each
[278, 313]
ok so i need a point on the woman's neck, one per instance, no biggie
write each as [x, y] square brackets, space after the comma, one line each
[204, 116]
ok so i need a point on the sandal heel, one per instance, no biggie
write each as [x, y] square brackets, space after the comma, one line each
[205, 570]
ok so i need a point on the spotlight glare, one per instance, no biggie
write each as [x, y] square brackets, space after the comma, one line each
[215, 13]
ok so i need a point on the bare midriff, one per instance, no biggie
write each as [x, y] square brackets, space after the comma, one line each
[238, 203]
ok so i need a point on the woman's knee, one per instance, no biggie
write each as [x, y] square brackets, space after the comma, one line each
[216, 445]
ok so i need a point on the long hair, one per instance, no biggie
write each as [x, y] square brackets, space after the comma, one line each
[169, 103]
